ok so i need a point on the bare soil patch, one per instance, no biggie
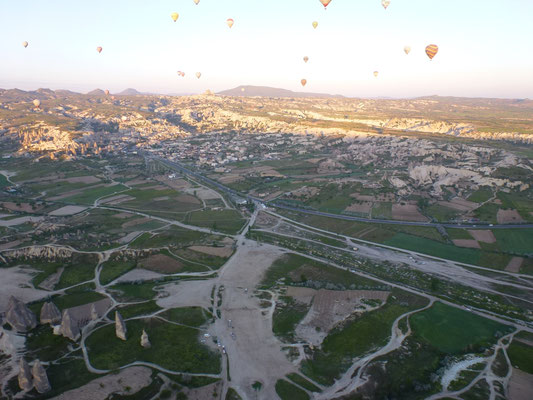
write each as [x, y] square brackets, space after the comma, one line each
[230, 178]
[20, 221]
[301, 294]
[515, 264]
[135, 222]
[407, 212]
[205, 392]
[161, 263]
[120, 198]
[67, 210]
[472, 244]
[186, 294]
[363, 208]
[10, 245]
[362, 197]
[155, 187]
[16, 282]
[225, 251]
[483, 236]
[163, 198]
[188, 199]
[508, 216]
[124, 215]
[203, 193]
[24, 207]
[51, 281]
[81, 179]
[520, 385]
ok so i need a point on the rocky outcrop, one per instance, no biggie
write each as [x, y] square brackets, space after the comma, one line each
[19, 316]
[40, 379]
[50, 314]
[94, 313]
[120, 326]
[145, 342]
[69, 326]
[25, 376]
[42, 252]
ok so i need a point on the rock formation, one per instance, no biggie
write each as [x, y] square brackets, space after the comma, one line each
[50, 314]
[145, 342]
[19, 316]
[25, 376]
[69, 326]
[120, 326]
[94, 312]
[40, 379]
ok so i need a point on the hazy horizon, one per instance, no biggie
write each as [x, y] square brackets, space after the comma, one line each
[483, 48]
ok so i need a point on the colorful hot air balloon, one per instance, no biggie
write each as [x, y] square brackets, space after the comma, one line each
[315, 24]
[306, 59]
[25, 44]
[407, 49]
[432, 50]
[230, 22]
[106, 92]
[174, 16]
[303, 82]
[376, 73]
[99, 49]
[198, 75]
[196, 1]
[325, 3]
[385, 3]
[37, 103]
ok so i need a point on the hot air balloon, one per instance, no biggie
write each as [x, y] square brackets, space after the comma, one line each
[196, 1]
[385, 3]
[230, 22]
[37, 103]
[99, 49]
[306, 59]
[325, 3]
[243, 89]
[198, 75]
[25, 44]
[432, 50]
[106, 92]
[376, 73]
[303, 82]
[407, 49]
[315, 24]
[174, 16]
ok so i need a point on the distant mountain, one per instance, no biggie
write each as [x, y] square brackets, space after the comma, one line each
[62, 92]
[265, 91]
[129, 92]
[96, 92]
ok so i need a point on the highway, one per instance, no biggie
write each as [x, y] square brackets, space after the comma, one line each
[225, 189]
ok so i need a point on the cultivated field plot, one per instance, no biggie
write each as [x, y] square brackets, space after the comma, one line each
[407, 212]
[161, 199]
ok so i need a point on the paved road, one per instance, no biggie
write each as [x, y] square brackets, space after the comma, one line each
[234, 193]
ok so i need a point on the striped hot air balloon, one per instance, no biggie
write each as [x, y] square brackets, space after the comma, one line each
[432, 50]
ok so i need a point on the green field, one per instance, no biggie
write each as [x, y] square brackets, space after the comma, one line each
[141, 309]
[114, 269]
[287, 316]
[190, 316]
[173, 347]
[441, 213]
[518, 241]
[89, 196]
[287, 391]
[226, 221]
[481, 195]
[454, 331]
[521, 356]
[300, 380]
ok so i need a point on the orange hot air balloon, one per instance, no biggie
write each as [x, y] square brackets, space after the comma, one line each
[198, 75]
[315, 24]
[230, 22]
[325, 3]
[174, 16]
[306, 59]
[25, 44]
[303, 82]
[106, 92]
[432, 51]
[99, 49]
[376, 73]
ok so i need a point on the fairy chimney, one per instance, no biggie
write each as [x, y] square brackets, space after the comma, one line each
[40, 379]
[120, 326]
[50, 314]
[25, 376]
[19, 316]
[145, 342]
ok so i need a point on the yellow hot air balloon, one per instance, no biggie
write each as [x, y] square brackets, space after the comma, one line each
[230, 22]
[99, 49]
[306, 59]
[407, 49]
[303, 82]
[325, 3]
[174, 16]
[25, 44]
[376, 73]
[196, 1]
[315, 24]
[198, 75]
[432, 51]
[385, 3]
[37, 103]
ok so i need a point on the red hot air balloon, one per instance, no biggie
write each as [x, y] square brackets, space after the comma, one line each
[325, 3]
[432, 51]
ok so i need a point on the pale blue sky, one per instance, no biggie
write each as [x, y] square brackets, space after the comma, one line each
[485, 46]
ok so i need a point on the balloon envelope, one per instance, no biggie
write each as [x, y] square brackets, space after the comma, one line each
[230, 22]
[25, 44]
[376, 73]
[432, 51]
[407, 49]
[174, 16]
[37, 103]
[107, 92]
[315, 24]
[325, 3]
[99, 49]
[198, 75]
[306, 59]
[304, 82]
[385, 3]
[196, 1]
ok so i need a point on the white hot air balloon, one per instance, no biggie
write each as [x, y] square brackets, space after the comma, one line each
[407, 49]
[25, 44]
